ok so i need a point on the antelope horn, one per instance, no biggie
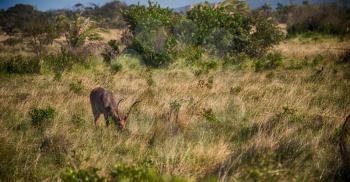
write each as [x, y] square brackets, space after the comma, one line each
[131, 107]
[121, 100]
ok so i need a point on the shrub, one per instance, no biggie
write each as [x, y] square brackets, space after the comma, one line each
[191, 53]
[270, 61]
[76, 86]
[148, 16]
[116, 66]
[150, 80]
[40, 28]
[62, 61]
[229, 34]
[210, 82]
[151, 31]
[134, 173]
[155, 46]
[111, 51]
[122, 172]
[322, 18]
[204, 67]
[86, 175]
[209, 115]
[20, 64]
[81, 30]
[41, 117]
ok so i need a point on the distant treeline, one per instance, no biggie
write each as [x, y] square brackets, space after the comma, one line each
[229, 29]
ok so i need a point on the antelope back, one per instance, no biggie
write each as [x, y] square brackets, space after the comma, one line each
[102, 100]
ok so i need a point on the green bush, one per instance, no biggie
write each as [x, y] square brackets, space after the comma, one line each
[20, 64]
[111, 51]
[225, 34]
[41, 117]
[133, 173]
[80, 30]
[318, 18]
[151, 28]
[62, 61]
[155, 46]
[268, 62]
[122, 172]
[119, 172]
[82, 175]
[148, 16]
[192, 54]
[116, 66]
[76, 86]
[209, 115]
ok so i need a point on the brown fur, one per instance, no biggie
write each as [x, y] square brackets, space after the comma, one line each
[103, 102]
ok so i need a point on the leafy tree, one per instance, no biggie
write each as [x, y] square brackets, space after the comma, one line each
[151, 27]
[108, 16]
[142, 15]
[15, 18]
[41, 28]
[235, 6]
[225, 32]
[79, 31]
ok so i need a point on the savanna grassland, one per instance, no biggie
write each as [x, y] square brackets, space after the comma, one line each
[215, 120]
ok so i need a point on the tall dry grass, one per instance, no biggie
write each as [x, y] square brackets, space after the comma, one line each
[245, 126]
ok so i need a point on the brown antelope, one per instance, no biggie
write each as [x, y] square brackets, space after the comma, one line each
[103, 102]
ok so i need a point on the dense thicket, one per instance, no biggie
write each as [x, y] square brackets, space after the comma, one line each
[219, 30]
[320, 18]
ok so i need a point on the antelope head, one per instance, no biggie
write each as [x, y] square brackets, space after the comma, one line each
[122, 119]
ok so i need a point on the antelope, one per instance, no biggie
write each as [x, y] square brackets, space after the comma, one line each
[103, 102]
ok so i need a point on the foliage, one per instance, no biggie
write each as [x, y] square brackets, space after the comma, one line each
[15, 18]
[20, 64]
[148, 16]
[209, 115]
[264, 37]
[108, 15]
[175, 106]
[209, 19]
[156, 47]
[270, 61]
[134, 173]
[116, 66]
[122, 172]
[320, 18]
[62, 61]
[82, 175]
[40, 27]
[111, 51]
[151, 31]
[42, 116]
[76, 86]
[119, 172]
[80, 31]
[232, 34]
